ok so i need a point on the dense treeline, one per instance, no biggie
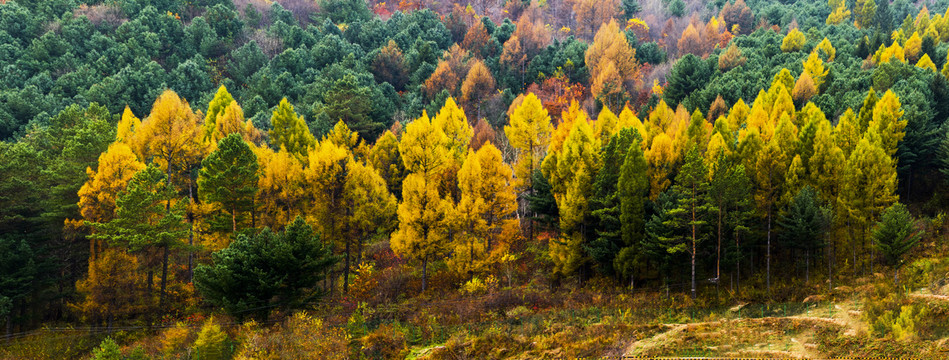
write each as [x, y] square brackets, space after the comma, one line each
[651, 148]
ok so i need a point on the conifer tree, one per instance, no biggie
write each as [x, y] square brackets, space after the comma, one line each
[633, 192]
[803, 222]
[147, 222]
[895, 235]
[529, 134]
[290, 131]
[689, 217]
[229, 177]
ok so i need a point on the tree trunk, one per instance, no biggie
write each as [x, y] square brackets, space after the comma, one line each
[693, 242]
[164, 277]
[424, 272]
[807, 267]
[234, 220]
[769, 252]
[737, 261]
[718, 259]
[346, 271]
[190, 236]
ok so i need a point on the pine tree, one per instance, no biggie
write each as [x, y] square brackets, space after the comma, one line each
[803, 224]
[895, 235]
[266, 270]
[605, 203]
[149, 218]
[633, 192]
[229, 178]
[689, 216]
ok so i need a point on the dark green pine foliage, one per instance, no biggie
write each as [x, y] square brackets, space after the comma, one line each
[147, 221]
[688, 218]
[918, 150]
[633, 190]
[942, 160]
[351, 103]
[689, 74]
[804, 224]
[630, 8]
[259, 272]
[730, 206]
[660, 234]
[895, 235]
[228, 177]
[541, 202]
[738, 210]
[17, 271]
[605, 203]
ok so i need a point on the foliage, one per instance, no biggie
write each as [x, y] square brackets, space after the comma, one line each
[256, 273]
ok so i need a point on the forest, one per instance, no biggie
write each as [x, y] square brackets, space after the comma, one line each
[270, 179]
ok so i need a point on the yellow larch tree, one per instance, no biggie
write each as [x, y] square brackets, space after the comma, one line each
[369, 212]
[97, 196]
[888, 123]
[423, 222]
[485, 214]
[529, 134]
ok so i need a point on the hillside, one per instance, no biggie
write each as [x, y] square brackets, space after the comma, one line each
[437, 180]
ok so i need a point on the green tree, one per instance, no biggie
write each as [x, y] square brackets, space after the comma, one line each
[633, 191]
[689, 217]
[107, 350]
[146, 221]
[728, 196]
[690, 73]
[895, 235]
[267, 270]
[352, 103]
[290, 131]
[804, 223]
[17, 272]
[605, 204]
[229, 176]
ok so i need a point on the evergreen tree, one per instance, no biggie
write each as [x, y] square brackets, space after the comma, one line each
[605, 203]
[149, 218]
[229, 176]
[633, 192]
[689, 217]
[267, 270]
[804, 223]
[896, 235]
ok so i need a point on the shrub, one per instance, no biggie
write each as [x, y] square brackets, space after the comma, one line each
[107, 350]
[386, 342]
[212, 342]
[174, 339]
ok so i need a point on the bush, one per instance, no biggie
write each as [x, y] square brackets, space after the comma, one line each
[903, 324]
[386, 342]
[107, 350]
[212, 342]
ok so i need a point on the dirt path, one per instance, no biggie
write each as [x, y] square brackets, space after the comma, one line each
[754, 337]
